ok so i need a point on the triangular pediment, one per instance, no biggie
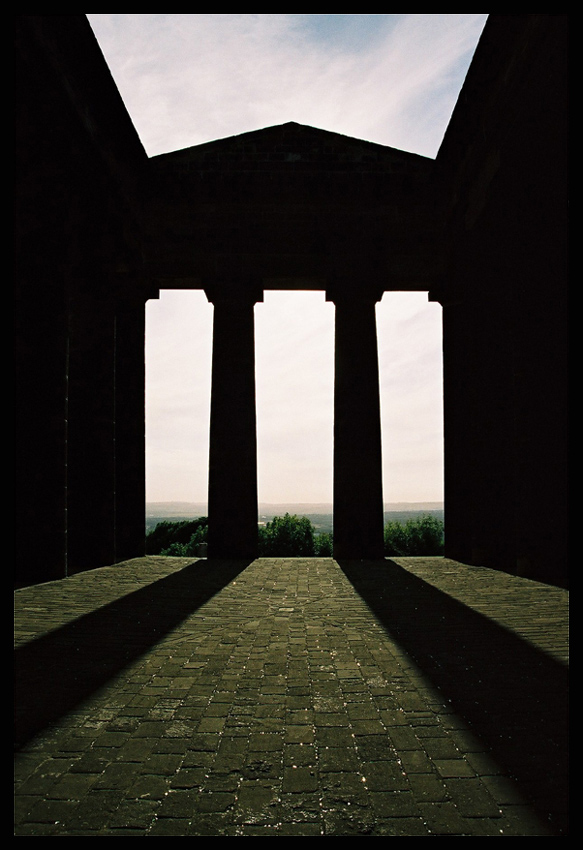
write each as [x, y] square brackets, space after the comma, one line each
[295, 146]
[289, 201]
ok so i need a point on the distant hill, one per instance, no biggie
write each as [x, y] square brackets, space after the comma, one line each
[195, 509]
[185, 510]
[319, 513]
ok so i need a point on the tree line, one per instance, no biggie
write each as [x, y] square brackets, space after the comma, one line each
[295, 536]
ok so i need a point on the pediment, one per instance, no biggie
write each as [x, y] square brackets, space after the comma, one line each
[294, 147]
[289, 201]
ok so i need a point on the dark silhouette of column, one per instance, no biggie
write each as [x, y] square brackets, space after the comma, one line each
[91, 433]
[232, 502]
[40, 499]
[358, 495]
[130, 444]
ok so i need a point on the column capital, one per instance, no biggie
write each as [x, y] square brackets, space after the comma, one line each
[353, 291]
[235, 291]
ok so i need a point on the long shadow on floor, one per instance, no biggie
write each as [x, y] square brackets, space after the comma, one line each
[513, 696]
[57, 671]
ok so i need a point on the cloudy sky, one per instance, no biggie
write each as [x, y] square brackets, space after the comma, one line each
[390, 79]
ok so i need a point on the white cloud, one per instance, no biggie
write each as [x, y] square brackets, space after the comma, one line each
[187, 79]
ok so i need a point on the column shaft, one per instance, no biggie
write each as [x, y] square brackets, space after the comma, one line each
[232, 503]
[358, 497]
[91, 434]
[130, 443]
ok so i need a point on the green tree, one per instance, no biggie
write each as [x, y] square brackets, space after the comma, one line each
[420, 536]
[190, 549]
[176, 538]
[323, 545]
[287, 536]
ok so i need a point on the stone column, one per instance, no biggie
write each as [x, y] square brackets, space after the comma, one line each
[40, 454]
[358, 495]
[130, 443]
[91, 432]
[232, 502]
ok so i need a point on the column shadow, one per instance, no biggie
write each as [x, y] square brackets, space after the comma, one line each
[57, 671]
[512, 695]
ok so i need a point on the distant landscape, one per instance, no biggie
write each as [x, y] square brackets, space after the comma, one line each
[319, 514]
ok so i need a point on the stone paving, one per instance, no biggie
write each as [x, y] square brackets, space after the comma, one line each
[415, 696]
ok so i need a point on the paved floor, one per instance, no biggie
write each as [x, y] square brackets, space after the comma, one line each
[417, 696]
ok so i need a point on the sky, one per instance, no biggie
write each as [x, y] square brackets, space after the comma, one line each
[389, 79]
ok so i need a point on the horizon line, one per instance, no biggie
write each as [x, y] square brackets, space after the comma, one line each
[289, 504]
